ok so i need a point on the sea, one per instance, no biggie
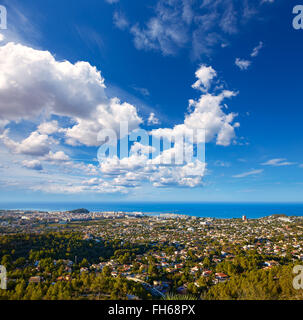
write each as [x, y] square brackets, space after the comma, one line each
[212, 210]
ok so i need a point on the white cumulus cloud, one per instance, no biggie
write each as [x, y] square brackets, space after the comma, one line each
[35, 144]
[205, 76]
[33, 81]
[32, 164]
[48, 127]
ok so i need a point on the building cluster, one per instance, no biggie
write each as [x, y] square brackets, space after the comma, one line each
[181, 247]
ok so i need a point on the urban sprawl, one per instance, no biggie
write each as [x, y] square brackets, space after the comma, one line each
[116, 255]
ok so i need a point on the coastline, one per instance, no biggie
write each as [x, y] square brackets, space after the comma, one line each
[211, 210]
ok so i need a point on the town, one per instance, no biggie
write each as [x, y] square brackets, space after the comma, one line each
[116, 255]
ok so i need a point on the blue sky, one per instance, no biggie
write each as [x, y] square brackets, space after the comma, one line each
[245, 55]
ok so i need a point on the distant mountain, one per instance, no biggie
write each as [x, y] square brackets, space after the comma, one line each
[81, 210]
[278, 215]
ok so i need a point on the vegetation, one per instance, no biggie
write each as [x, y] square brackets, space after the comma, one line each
[150, 258]
[82, 210]
[275, 284]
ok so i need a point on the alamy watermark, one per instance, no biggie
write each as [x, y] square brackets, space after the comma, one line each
[156, 147]
[297, 22]
[3, 18]
[3, 278]
[298, 279]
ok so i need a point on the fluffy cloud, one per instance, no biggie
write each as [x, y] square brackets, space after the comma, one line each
[139, 148]
[34, 85]
[106, 117]
[32, 164]
[48, 127]
[190, 175]
[32, 82]
[35, 145]
[205, 75]
[137, 169]
[116, 166]
[207, 114]
[207, 117]
[57, 156]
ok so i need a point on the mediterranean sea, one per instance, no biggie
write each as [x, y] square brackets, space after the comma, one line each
[213, 210]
